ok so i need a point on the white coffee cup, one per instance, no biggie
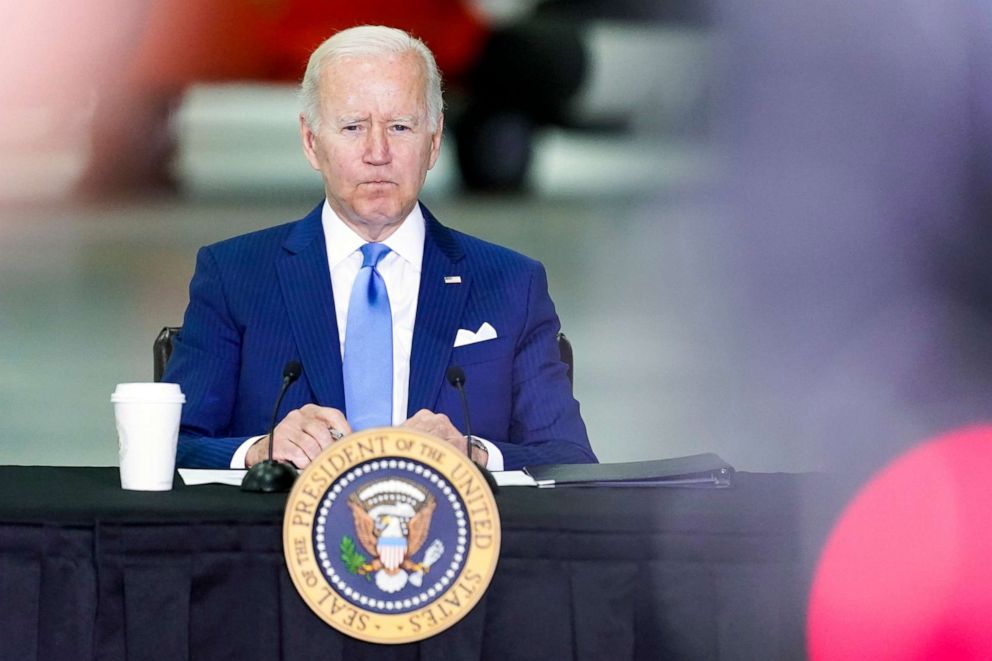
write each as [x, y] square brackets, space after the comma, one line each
[147, 417]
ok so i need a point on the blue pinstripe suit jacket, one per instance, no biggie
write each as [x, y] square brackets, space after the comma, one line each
[262, 299]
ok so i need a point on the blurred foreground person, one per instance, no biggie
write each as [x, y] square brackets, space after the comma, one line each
[372, 295]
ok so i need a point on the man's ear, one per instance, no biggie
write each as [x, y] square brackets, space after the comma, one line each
[309, 139]
[436, 141]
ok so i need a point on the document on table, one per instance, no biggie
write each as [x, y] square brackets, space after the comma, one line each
[194, 476]
[698, 470]
[514, 479]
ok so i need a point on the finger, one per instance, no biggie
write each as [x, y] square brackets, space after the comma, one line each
[416, 422]
[286, 450]
[418, 417]
[305, 440]
[435, 424]
[331, 418]
[448, 426]
[294, 444]
[319, 432]
[441, 426]
[459, 442]
[452, 435]
[421, 420]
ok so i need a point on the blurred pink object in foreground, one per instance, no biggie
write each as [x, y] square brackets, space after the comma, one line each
[907, 571]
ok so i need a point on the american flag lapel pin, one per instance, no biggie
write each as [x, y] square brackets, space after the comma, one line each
[452, 279]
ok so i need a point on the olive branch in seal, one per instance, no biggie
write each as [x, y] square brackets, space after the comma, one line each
[350, 556]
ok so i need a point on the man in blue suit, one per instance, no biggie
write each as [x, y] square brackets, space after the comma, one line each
[371, 125]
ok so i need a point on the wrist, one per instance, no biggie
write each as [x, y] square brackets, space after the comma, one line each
[478, 451]
[256, 453]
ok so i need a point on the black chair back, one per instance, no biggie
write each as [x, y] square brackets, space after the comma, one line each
[162, 351]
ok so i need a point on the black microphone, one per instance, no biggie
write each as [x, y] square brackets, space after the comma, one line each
[271, 476]
[290, 373]
[456, 377]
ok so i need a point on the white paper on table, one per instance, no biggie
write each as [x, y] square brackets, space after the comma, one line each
[194, 476]
[513, 479]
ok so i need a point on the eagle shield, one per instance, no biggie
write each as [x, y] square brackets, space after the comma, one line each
[392, 520]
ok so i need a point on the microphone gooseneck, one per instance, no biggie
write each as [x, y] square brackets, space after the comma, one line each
[290, 374]
[456, 377]
[271, 476]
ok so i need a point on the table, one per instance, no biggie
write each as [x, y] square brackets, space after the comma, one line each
[88, 570]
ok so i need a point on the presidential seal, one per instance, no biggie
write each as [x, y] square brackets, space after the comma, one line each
[391, 536]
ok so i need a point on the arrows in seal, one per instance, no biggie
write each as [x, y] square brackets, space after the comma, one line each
[432, 555]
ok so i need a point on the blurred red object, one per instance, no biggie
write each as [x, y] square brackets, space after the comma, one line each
[138, 60]
[181, 42]
[907, 571]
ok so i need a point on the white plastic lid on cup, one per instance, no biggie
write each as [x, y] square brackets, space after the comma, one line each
[144, 392]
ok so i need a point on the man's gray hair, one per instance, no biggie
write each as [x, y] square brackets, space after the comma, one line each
[366, 41]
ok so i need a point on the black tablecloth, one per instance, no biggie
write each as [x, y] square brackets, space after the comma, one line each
[88, 570]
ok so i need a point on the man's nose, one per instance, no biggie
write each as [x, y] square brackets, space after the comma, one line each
[377, 147]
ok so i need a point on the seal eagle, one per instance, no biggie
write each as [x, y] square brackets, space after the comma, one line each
[389, 537]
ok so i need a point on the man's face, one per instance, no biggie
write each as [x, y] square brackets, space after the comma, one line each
[374, 145]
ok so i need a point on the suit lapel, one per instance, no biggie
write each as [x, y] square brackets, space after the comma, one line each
[304, 277]
[439, 310]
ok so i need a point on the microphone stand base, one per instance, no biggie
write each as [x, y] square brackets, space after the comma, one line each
[269, 477]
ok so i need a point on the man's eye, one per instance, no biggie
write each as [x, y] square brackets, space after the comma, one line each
[400, 128]
[351, 128]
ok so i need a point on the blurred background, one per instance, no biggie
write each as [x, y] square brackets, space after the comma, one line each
[765, 232]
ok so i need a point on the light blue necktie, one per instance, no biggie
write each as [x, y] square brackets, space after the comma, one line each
[368, 346]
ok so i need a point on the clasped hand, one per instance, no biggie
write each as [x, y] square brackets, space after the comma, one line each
[305, 432]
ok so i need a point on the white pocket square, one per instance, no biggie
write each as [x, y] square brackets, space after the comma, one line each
[485, 332]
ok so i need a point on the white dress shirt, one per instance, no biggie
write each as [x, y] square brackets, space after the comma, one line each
[400, 269]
